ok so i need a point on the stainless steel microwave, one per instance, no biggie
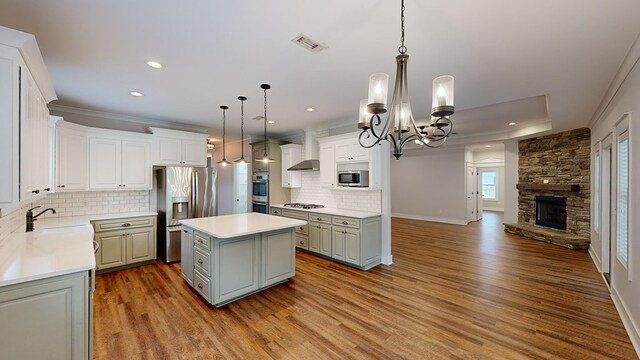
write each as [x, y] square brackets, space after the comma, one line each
[355, 178]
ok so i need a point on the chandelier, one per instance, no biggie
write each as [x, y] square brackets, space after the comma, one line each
[400, 126]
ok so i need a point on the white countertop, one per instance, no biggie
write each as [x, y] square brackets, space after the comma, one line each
[333, 211]
[59, 245]
[229, 226]
[46, 253]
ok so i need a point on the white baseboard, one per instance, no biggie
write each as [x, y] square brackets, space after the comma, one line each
[632, 328]
[429, 218]
[493, 208]
[594, 257]
[387, 260]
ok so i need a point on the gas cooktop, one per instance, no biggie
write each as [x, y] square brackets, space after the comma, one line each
[304, 206]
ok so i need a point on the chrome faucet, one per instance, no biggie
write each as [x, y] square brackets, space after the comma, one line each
[31, 218]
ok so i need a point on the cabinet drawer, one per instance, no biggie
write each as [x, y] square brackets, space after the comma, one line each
[127, 223]
[345, 221]
[302, 229]
[201, 262]
[276, 211]
[201, 284]
[320, 218]
[302, 241]
[295, 214]
[201, 240]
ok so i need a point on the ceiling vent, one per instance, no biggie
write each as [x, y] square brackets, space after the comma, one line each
[308, 43]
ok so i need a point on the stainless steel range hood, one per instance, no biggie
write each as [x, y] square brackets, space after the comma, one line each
[310, 154]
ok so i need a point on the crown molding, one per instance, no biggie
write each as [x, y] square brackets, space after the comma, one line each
[628, 63]
[62, 109]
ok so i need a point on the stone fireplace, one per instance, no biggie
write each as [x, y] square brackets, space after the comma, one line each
[554, 189]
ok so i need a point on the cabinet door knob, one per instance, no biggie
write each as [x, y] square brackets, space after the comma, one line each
[199, 285]
[200, 261]
[125, 225]
[124, 185]
[36, 191]
[61, 185]
[346, 223]
[47, 189]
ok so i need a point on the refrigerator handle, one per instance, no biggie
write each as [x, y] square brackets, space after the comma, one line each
[195, 202]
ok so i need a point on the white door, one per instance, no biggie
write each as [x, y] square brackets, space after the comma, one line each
[71, 161]
[194, 152]
[479, 196]
[136, 167]
[168, 151]
[105, 164]
[240, 188]
[472, 198]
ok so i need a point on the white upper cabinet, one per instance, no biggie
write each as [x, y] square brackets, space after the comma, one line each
[179, 148]
[328, 173]
[168, 151]
[194, 152]
[71, 163]
[351, 151]
[24, 129]
[291, 155]
[105, 163]
[136, 164]
[119, 164]
[344, 152]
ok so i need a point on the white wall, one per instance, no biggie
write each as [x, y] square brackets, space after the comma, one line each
[625, 283]
[510, 181]
[429, 185]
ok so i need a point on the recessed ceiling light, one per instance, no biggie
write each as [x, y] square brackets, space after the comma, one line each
[487, 146]
[271, 122]
[135, 93]
[155, 64]
[511, 123]
[310, 109]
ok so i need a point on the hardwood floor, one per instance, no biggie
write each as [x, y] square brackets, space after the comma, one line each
[453, 292]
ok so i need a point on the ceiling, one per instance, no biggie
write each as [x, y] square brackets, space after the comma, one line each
[214, 51]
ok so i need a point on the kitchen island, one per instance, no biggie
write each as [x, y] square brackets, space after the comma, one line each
[225, 258]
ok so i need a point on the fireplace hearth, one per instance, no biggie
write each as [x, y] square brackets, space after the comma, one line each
[551, 211]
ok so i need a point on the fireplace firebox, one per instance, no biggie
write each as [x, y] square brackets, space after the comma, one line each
[551, 211]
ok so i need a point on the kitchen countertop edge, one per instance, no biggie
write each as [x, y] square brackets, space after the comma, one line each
[333, 211]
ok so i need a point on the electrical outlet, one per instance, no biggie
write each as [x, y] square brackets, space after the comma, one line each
[545, 181]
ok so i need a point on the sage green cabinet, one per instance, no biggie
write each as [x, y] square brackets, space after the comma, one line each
[134, 242]
[112, 250]
[225, 270]
[320, 238]
[345, 245]
[46, 319]
[186, 250]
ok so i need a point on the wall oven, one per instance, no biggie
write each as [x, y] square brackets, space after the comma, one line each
[260, 192]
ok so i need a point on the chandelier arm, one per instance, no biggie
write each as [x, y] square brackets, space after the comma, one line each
[393, 142]
[367, 136]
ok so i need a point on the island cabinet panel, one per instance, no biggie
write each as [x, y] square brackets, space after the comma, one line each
[227, 269]
[278, 257]
[187, 250]
[238, 267]
[46, 319]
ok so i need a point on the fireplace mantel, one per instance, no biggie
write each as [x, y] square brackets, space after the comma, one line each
[549, 187]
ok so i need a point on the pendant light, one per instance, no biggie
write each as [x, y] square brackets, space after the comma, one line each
[224, 161]
[241, 161]
[400, 126]
[265, 157]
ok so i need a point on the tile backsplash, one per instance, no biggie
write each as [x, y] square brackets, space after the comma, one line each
[96, 202]
[312, 192]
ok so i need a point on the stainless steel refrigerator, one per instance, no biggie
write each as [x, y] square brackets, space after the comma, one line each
[181, 193]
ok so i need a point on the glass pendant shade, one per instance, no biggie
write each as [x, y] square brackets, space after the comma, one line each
[378, 88]
[442, 101]
[401, 117]
[364, 117]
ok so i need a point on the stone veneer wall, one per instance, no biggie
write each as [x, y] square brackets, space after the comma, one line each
[562, 158]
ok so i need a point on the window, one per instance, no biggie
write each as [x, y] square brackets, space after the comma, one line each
[596, 190]
[489, 184]
[622, 215]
